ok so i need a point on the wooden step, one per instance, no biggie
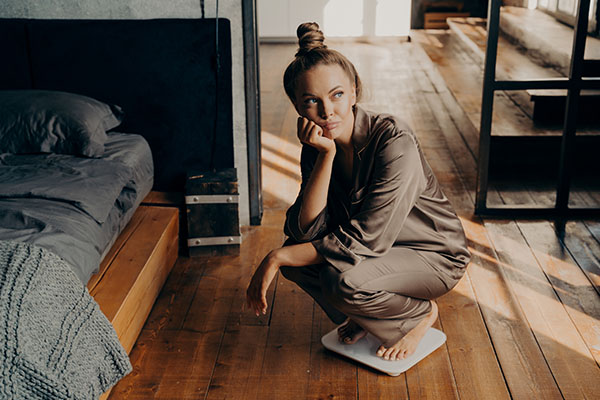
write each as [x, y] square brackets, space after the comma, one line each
[544, 37]
[549, 106]
[537, 157]
[134, 271]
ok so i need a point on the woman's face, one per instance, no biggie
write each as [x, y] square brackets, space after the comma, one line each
[325, 95]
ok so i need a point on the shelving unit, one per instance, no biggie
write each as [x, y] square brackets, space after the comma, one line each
[582, 75]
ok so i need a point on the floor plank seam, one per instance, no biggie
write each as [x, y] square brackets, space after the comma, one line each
[572, 254]
[586, 223]
[558, 386]
[189, 307]
[276, 285]
[214, 366]
[487, 329]
[454, 122]
[262, 365]
[449, 360]
[456, 125]
[310, 349]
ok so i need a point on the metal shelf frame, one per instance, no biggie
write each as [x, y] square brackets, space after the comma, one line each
[580, 77]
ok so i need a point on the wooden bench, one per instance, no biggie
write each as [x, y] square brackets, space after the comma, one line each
[134, 271]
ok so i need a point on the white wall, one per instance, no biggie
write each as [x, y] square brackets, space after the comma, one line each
[337, 18]
[144, 9]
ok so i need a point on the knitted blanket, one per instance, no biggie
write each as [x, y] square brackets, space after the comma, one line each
[55, 342]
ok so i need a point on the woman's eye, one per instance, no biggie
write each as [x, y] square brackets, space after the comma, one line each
[310, 101]
[338, 95]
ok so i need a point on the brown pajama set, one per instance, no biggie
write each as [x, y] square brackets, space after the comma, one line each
[392, 241]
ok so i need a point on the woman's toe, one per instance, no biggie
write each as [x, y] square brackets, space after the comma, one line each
[388, 353]
[343, 332]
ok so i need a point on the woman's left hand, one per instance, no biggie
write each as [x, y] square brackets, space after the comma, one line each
[256, 294]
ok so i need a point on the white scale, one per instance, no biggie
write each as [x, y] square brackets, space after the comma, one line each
[364, 351]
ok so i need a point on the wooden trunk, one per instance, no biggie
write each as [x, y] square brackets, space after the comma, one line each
[212, 203]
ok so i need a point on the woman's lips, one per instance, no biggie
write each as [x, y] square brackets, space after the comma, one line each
[331, 125]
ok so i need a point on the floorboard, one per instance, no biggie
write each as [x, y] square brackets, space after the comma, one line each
[522, 324]
[328, 377]
[564, 349]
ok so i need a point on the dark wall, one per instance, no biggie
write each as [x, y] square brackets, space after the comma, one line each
[162, 72]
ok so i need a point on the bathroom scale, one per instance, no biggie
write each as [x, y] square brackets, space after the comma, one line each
[364, 351]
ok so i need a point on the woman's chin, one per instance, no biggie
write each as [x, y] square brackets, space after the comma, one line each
[329, 135]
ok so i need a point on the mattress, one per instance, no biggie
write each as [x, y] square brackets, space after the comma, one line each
[75, 207]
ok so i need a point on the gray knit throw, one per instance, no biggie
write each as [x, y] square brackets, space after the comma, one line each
[55, 342]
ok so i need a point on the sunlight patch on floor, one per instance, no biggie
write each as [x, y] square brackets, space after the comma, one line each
[273, 141]
[280, 168]
[540, 301]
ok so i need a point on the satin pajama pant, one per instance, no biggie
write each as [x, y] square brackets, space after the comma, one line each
[387, 296]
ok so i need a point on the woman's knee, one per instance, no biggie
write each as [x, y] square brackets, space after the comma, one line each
[336, 288]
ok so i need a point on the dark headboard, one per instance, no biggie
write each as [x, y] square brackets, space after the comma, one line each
[161, 71]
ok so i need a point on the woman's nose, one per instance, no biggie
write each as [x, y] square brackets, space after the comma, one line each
[326, 110]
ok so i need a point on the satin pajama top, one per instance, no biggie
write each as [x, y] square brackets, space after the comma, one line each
[395, 200]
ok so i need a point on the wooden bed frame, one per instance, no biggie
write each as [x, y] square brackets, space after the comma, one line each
[134, 271]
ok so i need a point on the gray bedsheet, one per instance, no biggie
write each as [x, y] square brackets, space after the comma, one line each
[72, 206]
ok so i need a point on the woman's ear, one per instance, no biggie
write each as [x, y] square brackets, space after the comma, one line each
[353, 95]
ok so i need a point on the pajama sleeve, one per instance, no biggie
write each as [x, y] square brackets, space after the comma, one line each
[292, 226]
[396, 183]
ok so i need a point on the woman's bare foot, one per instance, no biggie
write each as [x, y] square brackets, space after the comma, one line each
[408, 344]
[351, 332]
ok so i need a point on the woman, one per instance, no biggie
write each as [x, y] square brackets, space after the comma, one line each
[372, 238]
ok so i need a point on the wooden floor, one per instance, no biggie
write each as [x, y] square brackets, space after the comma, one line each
[523, 323]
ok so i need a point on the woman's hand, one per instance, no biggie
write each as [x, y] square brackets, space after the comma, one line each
[256, 294]
[312, 134]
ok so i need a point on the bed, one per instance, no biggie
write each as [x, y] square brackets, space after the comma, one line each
[74, 206]
[82, 259]
[68, 188]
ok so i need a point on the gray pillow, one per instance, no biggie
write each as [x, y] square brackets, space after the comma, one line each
[41, 121]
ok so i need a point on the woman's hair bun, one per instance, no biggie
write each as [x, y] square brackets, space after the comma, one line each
[310, 37]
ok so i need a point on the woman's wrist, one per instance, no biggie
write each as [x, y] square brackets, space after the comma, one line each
[274, 259]
[328, 155]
